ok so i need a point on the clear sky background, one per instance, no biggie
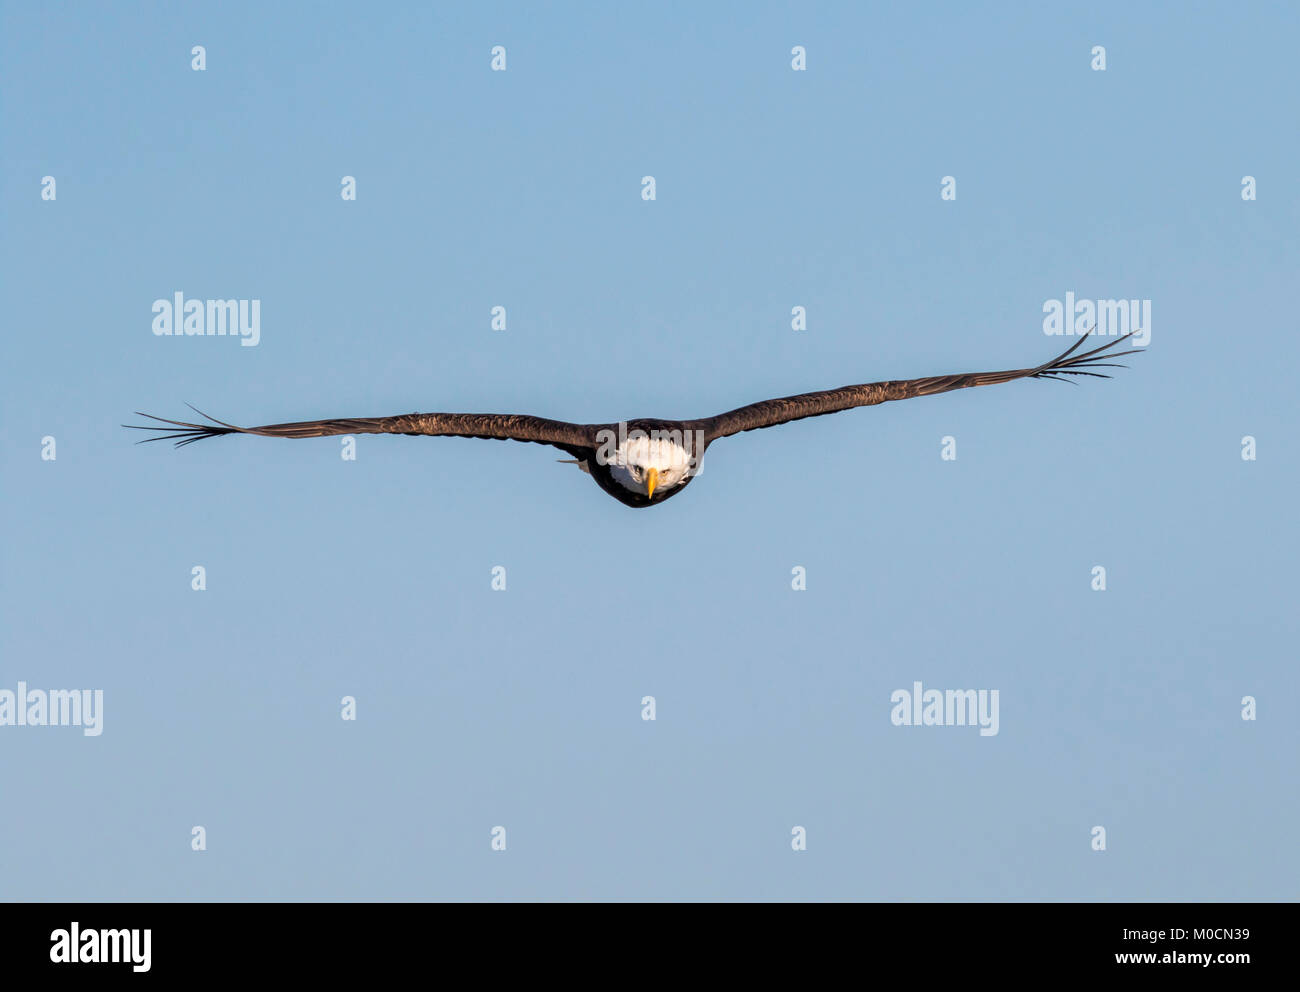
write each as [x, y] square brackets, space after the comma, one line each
[775, 188]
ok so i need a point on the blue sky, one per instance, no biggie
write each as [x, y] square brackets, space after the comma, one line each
[522, 708]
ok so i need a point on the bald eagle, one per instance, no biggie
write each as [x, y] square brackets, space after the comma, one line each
[645, 462]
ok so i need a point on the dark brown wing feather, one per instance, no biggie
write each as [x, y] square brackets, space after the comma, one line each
[579, 439]
[769, 413]
[482, 425]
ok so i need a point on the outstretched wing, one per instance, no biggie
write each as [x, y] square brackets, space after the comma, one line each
[769, 413]
[483, 425]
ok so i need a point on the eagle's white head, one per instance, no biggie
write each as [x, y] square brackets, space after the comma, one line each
[645, 464]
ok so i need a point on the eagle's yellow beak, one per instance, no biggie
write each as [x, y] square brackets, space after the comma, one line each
[651, 480]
